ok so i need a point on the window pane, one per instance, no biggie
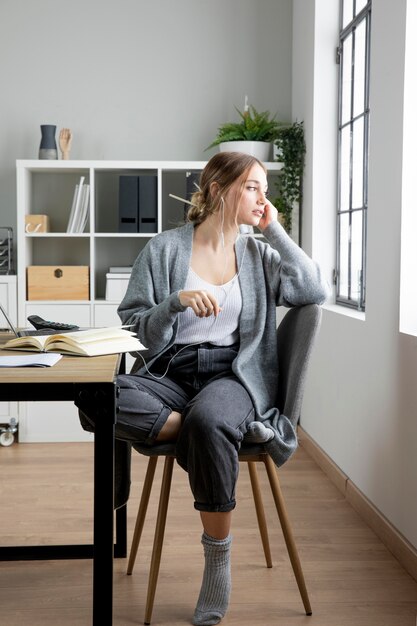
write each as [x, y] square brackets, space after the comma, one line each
[356, 253]
[346, 79]
[359, 5]
[357, 164]
[344, 233]
[359, 61]
[345, 169]
[347, 12]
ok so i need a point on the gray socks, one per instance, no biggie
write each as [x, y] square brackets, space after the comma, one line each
[258, 433]
[215, 589]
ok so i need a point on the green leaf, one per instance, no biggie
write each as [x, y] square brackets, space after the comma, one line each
[254, 126]
[291, 148]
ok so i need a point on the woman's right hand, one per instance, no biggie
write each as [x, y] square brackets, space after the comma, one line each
[202, 303]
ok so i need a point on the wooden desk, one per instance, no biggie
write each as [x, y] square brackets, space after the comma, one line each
[92, 381]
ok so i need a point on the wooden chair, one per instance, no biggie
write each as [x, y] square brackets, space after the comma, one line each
[295, 337]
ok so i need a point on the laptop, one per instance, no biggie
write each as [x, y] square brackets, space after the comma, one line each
[26, 333]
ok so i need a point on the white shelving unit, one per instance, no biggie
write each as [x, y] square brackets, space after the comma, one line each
[47, 187]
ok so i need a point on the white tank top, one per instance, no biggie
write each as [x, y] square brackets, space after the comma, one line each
[222, 330]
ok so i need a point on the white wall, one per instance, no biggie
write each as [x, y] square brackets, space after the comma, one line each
[361, 400]
[135, 79]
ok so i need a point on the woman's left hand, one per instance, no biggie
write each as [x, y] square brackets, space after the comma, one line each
[270, 215]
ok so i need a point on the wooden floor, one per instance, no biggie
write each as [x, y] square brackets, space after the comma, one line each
[46, 495]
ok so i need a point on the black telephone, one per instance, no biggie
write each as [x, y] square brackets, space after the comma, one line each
[40, 324]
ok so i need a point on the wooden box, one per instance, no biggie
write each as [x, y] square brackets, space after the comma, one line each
[36, 223]
[65, 282]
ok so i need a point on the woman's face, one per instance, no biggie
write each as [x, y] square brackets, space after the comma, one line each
[253, 199]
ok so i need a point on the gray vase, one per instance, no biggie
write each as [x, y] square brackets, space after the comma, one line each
[48, 148]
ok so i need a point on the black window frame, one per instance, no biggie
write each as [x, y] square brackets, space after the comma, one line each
[355, 300]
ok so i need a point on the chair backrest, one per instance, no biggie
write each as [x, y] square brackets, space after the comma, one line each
[295, 338]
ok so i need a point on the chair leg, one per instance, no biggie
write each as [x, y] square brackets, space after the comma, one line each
[287, 531]
[159, 536]
[260, 511]
[143, 507]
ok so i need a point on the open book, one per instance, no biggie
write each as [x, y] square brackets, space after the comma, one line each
[92, 342]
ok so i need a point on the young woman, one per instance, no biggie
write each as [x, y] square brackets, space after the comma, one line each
[202, 298]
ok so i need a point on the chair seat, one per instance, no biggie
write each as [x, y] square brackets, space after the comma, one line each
[168, 449]
[157, 449]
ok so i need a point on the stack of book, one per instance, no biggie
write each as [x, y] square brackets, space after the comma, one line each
[79, 209]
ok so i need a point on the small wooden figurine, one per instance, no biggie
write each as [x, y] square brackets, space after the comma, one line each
[65, 140]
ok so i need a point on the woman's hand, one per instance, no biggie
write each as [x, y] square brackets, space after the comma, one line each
[202, 303]
[270, 215]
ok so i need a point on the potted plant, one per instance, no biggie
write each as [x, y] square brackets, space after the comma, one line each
[253, 134]
[290, 150]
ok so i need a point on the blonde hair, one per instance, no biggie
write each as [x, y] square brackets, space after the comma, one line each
[224, 168]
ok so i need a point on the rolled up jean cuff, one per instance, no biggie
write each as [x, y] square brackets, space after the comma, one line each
[215, 508]
[158, 425]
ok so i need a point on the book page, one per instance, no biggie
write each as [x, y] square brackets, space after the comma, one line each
[82, 337]
[26, 343]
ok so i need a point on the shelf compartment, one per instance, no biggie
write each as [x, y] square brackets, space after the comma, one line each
[59, 251]
[107, 198]
[105, 314]
[66, 311]
[114, 251]
[52, 194]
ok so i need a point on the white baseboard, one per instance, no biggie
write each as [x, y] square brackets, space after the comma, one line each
[401, 548]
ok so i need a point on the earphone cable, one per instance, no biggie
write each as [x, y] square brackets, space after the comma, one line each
[207, 339]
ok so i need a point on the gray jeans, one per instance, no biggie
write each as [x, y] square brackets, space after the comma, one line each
[216, 410]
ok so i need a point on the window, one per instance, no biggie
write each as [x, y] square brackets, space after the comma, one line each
[353, 58]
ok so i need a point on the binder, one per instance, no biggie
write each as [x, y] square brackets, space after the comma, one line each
[128, 204]
[138, 204]
[147, 205]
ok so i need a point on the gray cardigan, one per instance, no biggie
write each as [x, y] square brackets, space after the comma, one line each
[276, 274]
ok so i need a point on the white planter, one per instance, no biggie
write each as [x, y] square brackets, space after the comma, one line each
[259, 149]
